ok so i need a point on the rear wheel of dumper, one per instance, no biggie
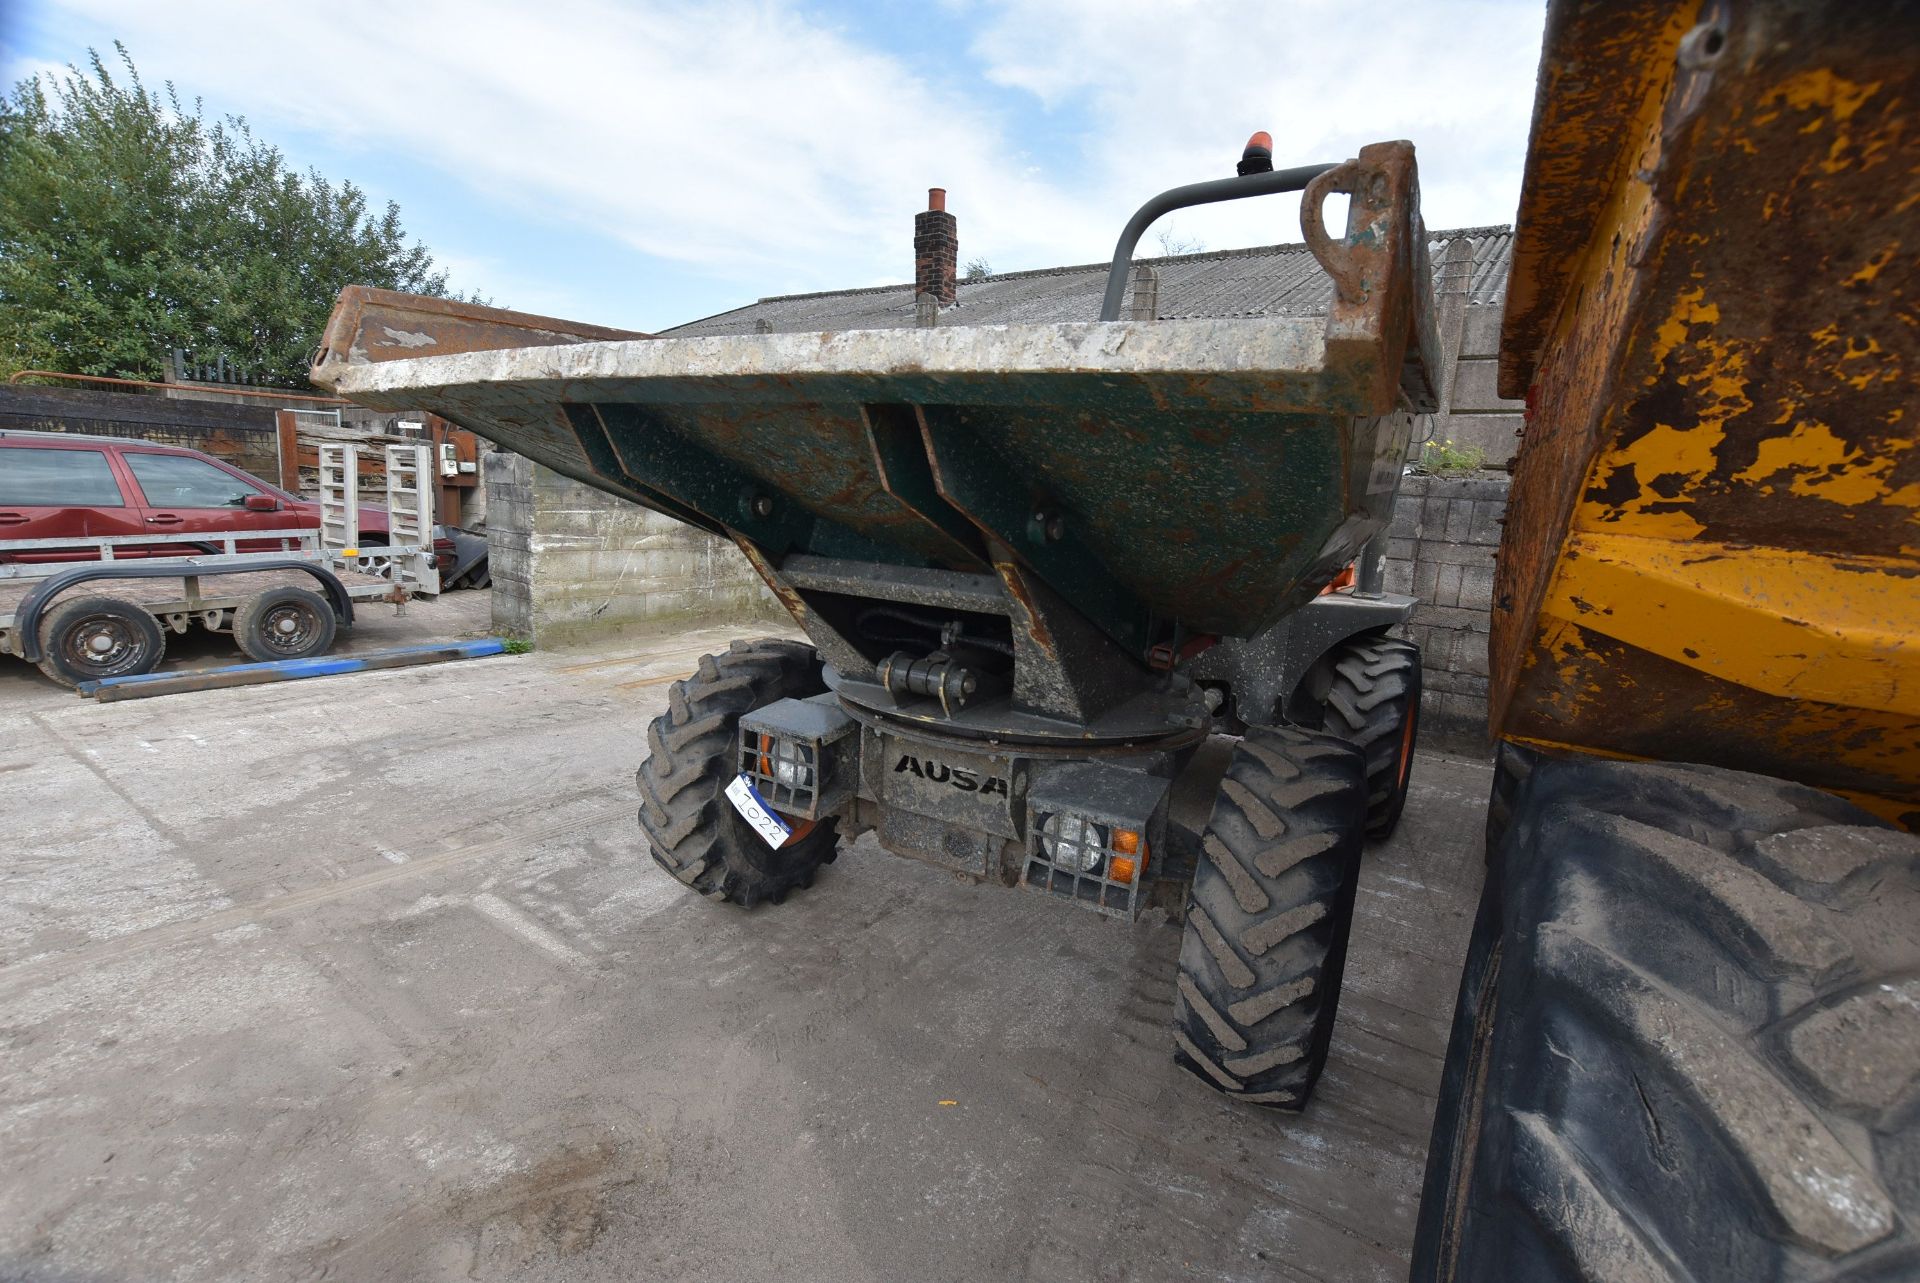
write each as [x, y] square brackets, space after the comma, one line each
[1685, 1043]
[693, 829]
[1268, 917]
[89, 639]
[1374, 704]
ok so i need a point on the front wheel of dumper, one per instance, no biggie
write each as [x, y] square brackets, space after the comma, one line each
[694, 831]
[1374, 704]
[1269, 915]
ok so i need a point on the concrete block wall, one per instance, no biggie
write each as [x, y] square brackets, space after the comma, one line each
[1445, 530]
[1441, 549]
[508, 482]
[1472, 414]
[570, 562]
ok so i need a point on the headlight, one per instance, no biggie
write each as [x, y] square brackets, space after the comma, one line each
[790, 765]
[1073, 843]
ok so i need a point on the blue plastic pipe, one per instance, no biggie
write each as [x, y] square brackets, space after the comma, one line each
[111, 689]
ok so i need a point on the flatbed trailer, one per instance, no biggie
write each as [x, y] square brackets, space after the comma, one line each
[192, 596]
[185, 599]
[284, 596]
[284, 603]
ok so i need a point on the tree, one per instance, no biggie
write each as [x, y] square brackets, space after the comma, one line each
[977, 268]
[1171, 244]
[130, 226]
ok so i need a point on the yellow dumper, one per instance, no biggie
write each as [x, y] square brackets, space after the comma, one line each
[1688, 1039]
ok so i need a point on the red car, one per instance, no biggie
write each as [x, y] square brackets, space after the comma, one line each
[56, 485]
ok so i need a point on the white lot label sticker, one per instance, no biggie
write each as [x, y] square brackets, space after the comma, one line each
[754, 810]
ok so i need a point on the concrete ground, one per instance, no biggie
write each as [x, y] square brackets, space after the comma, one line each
[370, 977]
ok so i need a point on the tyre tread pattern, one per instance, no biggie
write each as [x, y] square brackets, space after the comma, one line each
[56, 621]
[1267, 922]
[1376, 688]
[691, 828]
[246, 618]
[1511, 766]
[1700, 1060]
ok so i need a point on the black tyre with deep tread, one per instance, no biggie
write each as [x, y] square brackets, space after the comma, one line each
[1686, 1041]
[1512, 763]
[1268, 916]
[694, 832]
[285, 622]
[88, 639]
[1374, 703]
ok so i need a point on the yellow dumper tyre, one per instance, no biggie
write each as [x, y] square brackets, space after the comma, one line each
[1687, 1045]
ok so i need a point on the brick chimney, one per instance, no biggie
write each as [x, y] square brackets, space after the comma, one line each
[936, 252]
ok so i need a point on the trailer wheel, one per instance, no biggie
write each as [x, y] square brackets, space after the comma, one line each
[1684, 1047]
[1374, 703]
[284, 623]
[1268, 916]
[92, 638]
[694, 832]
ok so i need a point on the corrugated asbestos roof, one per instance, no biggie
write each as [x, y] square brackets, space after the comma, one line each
[1268, 280]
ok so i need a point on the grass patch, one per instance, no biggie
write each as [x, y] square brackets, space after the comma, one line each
[1445, 459]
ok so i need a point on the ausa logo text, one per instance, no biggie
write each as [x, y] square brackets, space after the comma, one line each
[959, 777]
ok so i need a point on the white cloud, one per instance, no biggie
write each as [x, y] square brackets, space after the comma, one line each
[1177, 85]
[771, 150]
[19, 69]
[738, 137]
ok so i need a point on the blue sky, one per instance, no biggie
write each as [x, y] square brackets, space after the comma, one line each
[639, 164]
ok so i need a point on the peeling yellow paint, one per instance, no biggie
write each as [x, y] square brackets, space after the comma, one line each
[1562, 641]
[1820, 465]
[1725, 363]
[1566, 650]
[1822, 90]
[1754, 393]
[1689, 309]
[1819, 87]
[1718, 379]
[1794, 624]
[1807, 447]
[1668, 450]
[1894, 811]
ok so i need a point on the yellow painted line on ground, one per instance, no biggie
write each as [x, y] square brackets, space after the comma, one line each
[606, 663]
[651, 681]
